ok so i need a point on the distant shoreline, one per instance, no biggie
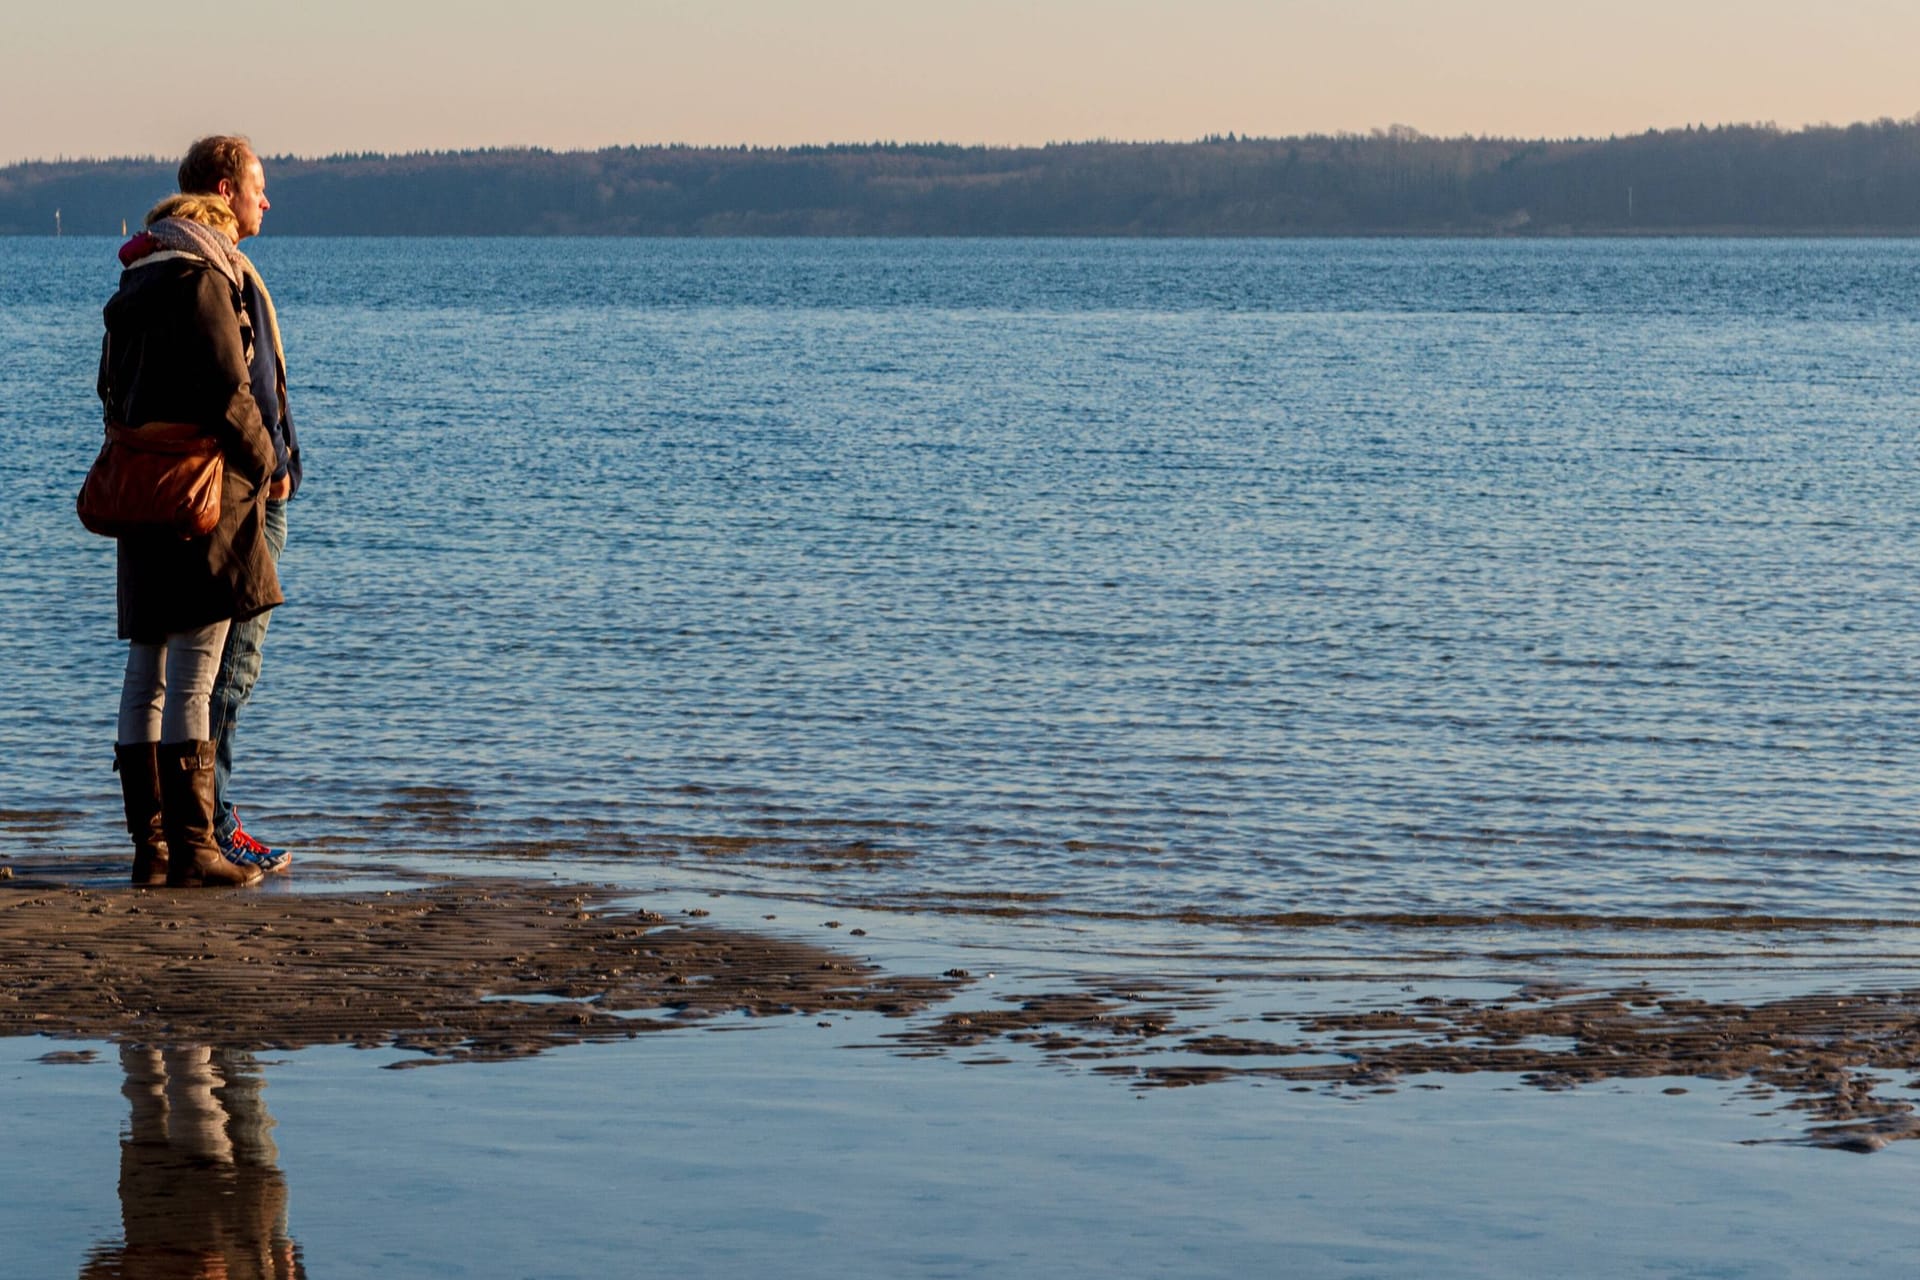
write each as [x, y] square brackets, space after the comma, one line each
[1744, 180]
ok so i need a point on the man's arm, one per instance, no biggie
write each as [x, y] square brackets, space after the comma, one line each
[237, 420]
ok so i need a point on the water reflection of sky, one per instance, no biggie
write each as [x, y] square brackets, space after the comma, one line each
[778, 1151]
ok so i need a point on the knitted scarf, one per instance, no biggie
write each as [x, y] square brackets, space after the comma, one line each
[180, 235]
[202, 241]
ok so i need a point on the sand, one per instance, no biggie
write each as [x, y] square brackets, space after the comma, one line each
[1826, 1055]
[494, 969]
[469, 970]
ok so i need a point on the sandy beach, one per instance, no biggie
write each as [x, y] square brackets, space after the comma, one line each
[471, 969]
[877, 1116]
[488, 969]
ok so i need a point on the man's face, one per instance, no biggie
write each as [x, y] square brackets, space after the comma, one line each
[248, 200]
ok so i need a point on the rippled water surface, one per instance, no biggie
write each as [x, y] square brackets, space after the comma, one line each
[1221, 578]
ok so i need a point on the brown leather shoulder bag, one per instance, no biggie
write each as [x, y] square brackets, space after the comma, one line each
[159, 479]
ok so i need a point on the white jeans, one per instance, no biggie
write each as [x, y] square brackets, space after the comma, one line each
[169, 686]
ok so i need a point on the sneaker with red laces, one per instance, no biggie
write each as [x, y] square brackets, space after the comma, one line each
[248, 852]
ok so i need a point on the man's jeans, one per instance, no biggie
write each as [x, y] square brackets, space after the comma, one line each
[239, 668]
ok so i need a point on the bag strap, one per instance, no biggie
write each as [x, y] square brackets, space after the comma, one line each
[185, 438]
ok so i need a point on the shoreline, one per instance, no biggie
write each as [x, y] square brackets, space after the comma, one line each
[464, 970]
[489, 969]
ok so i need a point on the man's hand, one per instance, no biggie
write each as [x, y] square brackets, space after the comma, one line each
[279, 489]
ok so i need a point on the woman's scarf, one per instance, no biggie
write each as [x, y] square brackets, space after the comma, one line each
[202, 241]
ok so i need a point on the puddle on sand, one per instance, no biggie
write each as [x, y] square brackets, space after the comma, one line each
[777, 1152]
[201, 1192]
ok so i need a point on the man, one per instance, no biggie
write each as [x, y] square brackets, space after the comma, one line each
[226, 166]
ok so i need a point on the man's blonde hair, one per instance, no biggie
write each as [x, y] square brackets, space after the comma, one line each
[209, 210]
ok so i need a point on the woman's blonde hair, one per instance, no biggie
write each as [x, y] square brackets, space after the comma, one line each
[213, 211]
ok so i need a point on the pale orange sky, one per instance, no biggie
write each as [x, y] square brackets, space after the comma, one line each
[113, 78]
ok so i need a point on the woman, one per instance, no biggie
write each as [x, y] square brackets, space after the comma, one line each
[176, 350]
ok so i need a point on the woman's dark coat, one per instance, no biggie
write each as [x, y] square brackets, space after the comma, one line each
[176, 350]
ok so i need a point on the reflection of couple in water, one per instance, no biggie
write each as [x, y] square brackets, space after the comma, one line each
[201, 1196]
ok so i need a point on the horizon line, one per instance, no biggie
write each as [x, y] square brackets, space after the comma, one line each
[1396, 131]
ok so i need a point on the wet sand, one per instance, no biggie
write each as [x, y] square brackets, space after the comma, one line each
[1825, 1055]
[493, 969]
[466, 970]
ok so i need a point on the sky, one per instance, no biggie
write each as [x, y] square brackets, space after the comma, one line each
[114, 78]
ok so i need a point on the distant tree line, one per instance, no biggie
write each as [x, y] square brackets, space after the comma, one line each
[1734, 179]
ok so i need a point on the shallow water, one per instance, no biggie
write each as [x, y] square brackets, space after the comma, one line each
[686, 1156]
[1193, 581]
[1316, 625]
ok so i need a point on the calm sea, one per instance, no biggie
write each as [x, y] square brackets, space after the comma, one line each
[1180, 582]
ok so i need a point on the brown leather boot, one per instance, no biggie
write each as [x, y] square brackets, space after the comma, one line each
[138, 765]
[186, 801]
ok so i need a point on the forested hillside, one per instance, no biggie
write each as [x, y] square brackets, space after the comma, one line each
[1745, 178]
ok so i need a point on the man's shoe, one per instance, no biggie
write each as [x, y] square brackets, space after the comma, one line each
[243, 849]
